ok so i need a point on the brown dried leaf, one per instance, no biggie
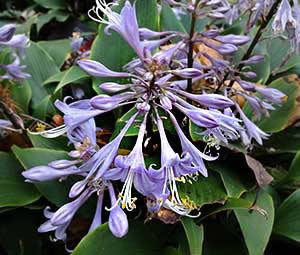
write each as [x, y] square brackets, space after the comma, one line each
[263, 178]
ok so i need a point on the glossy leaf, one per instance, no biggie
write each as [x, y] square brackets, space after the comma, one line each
[21, 94]
[233, 178]
[169, 21]
[257, 228]
[41, 66]
[72, 75]
[205, 190]
[194, 235]
[287, 219]
[54, 191]
[13, 190]
[139, 240]
[294, 171]
[57, 49]
[58, 143]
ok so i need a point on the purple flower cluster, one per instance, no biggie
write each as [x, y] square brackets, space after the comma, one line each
[16, 43]
[157, 82]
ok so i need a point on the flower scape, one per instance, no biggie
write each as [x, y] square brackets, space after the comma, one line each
[178, 85]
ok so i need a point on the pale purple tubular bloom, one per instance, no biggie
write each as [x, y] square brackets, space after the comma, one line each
[253, 60]
[283, 17]
[246, 85]
[295, 39]
[61, 219]
[209, 100]
[252, 130]
[200, 117]
[65, 213]
[47, 173]
[76, 44]
[60, 231]
[112, 87]
[74, 116]
[97, 220]
[117, 222]
[106, 102]
[188, 73]
[165, 56]
[190, 149]
[131, 170]
[273, 95]
[18, 42]
[7, 32]
[223, 49]
[146, 33]
[14, 70]
[172, 166]
[233, 39]
[96, 69]
[124, 23]
[101, 161]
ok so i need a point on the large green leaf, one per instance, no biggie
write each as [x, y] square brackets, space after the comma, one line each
[13, 190]
[58, 143]
[287, 140]
[294, 171]
[169, 21]
[18, 232]
[41, 66]
[287, 219]
[72, 75]
[57, 49]
[194, 235]
[47, 17]
[53, 4]
[280, 116]
[233, 178]
[21, 94]
[204, 190]
[141, 239]
[54, 191]
[257, 228]
[112, 50]
[41, 109]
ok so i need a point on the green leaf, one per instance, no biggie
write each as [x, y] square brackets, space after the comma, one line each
[13, 190]
[257, 228]
[53, 4]
[55, 78]
[54, 191]
[232, 177]
[280, 116]
[194, 235]
[141, 239]
[294, 171]
[72, 75]
[21, 95]
[52, 14]
[277, 49]
[40, 110]
[58, 143]
[112, 50]
[169, 21]
[204, 190]
[287, 140]
[57, 49]
[287, 219]
[41, 66]
[18, 232]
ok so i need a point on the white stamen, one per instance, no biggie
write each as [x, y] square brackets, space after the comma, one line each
[51, 133]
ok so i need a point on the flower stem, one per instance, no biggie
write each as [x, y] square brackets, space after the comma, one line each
[255, 40]
[191, 44]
